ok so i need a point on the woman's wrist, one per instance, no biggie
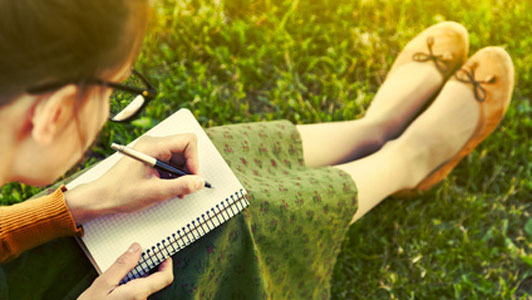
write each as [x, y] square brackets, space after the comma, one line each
[87, 201]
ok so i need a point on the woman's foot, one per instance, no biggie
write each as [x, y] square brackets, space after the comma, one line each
[467, 110]
[458, 119]
[417, 75]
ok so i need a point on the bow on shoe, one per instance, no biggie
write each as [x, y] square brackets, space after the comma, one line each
[440, 61]
[478, 90]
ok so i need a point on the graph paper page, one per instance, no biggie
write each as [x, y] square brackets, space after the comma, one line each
[108, 237]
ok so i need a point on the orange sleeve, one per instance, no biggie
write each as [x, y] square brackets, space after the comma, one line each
[34, 222]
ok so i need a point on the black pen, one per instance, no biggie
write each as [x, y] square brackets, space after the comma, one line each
[151, 161]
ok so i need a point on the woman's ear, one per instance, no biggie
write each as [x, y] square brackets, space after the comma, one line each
[52, 113]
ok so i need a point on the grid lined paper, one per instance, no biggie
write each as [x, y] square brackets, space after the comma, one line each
[108, 237]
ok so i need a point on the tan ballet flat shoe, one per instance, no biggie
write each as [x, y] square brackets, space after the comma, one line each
[445, 44]
[490, 74]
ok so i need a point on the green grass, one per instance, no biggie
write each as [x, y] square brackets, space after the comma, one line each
[317, 61]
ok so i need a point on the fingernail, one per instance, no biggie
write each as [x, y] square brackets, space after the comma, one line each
[134, 248]
[200, 182]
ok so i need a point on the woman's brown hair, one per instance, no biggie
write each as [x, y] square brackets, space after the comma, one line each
[45, 41]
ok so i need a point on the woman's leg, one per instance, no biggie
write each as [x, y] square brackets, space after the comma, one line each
[433, 138]
[416, 75]
[397, 101]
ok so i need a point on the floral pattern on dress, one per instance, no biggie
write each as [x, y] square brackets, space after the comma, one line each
[284, 245]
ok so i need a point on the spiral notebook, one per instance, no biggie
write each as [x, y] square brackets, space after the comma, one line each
[168, 227]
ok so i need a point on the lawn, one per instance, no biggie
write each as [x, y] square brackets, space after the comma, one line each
[317, 61]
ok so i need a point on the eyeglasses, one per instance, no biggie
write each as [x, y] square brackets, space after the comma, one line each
[127, 99]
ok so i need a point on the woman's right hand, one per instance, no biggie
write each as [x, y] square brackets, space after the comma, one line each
[106, 285]
[131, 185]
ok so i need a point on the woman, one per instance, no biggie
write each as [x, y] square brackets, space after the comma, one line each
[57, 77]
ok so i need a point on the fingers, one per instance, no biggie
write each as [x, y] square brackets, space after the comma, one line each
[189, 146]
[119, 269]
[164, 148]
[183, 185]
[141, 288]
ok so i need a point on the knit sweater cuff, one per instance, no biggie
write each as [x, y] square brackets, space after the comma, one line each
[34, 222]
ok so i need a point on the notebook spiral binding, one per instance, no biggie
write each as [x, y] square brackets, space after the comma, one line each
[194, 230]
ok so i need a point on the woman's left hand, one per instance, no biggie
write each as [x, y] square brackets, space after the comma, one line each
[106, 286]
[131, 185]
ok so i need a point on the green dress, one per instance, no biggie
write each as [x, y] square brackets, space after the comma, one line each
[283, 246]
